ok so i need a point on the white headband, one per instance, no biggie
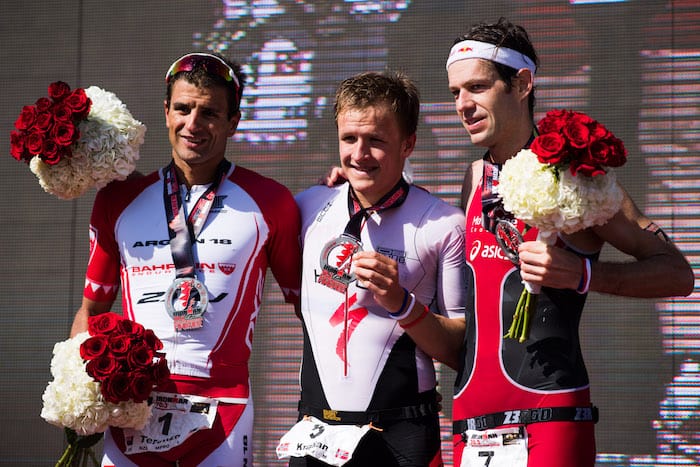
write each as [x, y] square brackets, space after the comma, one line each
[503, 55]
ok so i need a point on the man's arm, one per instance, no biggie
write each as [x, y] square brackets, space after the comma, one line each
[87, 308]
[437, 336]
[659, 268]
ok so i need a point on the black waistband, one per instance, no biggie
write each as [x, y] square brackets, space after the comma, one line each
[371, 416]
[527, 416]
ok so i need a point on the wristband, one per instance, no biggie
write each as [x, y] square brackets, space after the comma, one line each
[417, 320]
[405, 310]
[403, 304]
[585, 282]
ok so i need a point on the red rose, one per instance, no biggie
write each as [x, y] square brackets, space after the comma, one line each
[152, 340]
[576, 133]
[93, 347]
[79, 103]
[598, 132]
[616, 154]
[115, 387]
[51, 153]
[34, 143]
[44, 121]
[586, 167]
[63, 113]
[119, 344]
[553, 121]
[548, 148]
[139, 356]
[576, 139]
[140, 386]
[582, 119]
[103, 323]
[64, 133]
[27, 117]
[43, 104]
[130, 328]
[58, 90]
[17, 145]
[608, 152]
[101, 367]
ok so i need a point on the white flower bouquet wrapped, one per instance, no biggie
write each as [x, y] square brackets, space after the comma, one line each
[102, 378]
[77, 139]
[563, 183]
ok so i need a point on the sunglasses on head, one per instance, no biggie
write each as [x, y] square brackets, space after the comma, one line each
[211, 63]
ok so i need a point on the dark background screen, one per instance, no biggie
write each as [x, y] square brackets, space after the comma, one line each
[634, 65]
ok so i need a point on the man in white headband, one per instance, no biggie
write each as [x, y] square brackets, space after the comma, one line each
[466, 49]
[533, 394]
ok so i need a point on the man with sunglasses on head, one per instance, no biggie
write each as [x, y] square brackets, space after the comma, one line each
[189, 245]
[528, 404]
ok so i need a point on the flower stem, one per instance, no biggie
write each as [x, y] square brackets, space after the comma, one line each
[530, 307]
[520, 327]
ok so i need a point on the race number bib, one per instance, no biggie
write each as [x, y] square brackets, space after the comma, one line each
[174, 418]
[332, 444]
[501, 447]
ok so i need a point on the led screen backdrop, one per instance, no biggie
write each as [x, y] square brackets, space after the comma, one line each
[634, 65]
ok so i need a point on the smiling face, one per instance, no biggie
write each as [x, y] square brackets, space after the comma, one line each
[198, 128]
[372, 150]
[493, 115]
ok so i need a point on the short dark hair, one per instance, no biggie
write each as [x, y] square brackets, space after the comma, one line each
[503, 33]
[201, 78]
[393, 89]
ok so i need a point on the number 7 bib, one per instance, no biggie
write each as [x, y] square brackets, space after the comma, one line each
[501, 447]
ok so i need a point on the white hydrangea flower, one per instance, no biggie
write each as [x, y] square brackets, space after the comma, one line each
[107, 149]
[73, 399]
[556, 202]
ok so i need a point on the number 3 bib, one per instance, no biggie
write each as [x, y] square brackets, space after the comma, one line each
[332, 444]
[174, 418]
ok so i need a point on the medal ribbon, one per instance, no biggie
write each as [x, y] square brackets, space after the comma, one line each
[183, 232]
[491, 202]
[393, 199]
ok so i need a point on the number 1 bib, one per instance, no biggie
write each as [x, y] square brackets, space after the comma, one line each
[174, 418]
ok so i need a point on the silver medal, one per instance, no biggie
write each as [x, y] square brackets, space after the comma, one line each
[509, 239]
[336, 262]
[186, 302]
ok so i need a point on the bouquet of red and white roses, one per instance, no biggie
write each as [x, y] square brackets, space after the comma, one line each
[563, 183]
[102, 378]
[74, 140]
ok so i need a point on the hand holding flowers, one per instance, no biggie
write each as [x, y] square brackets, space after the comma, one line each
[561, 184]
[74, 140]
[102, 378]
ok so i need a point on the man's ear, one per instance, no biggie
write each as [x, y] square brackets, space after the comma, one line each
[409, 145]
[233, 124]
[523, 82]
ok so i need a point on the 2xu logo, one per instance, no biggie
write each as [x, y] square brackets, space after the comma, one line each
[156, 297]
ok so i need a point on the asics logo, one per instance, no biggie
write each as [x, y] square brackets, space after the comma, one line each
[486, 251]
